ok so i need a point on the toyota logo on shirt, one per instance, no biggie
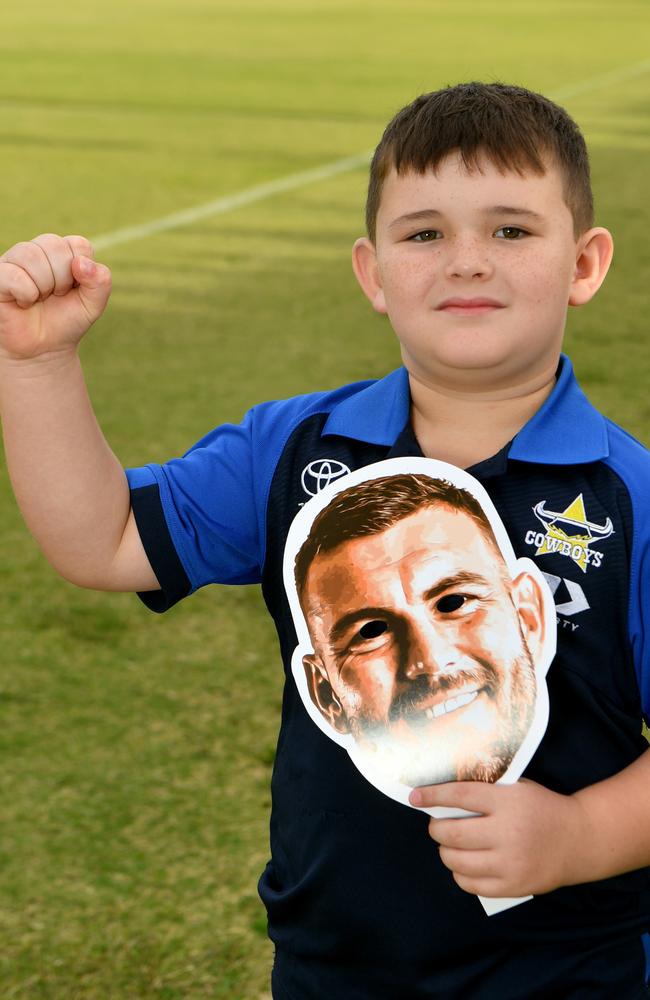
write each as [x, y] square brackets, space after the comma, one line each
[320, 473]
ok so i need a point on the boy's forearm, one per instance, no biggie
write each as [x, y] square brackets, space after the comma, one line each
[616, 824]
[69, 485]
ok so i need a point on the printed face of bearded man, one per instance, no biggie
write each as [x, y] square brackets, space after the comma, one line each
[424, 648]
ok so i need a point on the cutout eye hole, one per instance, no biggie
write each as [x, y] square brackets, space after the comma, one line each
[372, 629]
[450, 602]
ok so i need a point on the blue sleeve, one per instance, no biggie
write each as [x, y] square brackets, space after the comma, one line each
[199, 515]
[631, 462]
[202, 517]
[640, 614]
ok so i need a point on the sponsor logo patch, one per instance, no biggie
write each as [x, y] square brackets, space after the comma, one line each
[561, 589]
[569, 533]
[320, 473]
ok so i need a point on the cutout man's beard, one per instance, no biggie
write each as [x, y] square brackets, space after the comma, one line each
[417, 761]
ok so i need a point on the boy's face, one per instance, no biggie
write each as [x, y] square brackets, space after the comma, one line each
[474, 269]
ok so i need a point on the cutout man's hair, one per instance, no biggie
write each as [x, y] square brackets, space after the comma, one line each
[374, 506]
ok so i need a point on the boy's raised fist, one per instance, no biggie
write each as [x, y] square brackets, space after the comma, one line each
[51, 291]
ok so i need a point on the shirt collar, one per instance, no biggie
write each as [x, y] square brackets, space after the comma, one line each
[375, 415]
[566, 429]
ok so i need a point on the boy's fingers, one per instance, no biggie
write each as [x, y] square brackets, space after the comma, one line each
[474, 796]
[88, 272]
[466, 833]
[59, 254]
[94, 281]
[33, 260]
[16, 285]
[80, 246]
[47, 261]
[475, 864]
[479, 886]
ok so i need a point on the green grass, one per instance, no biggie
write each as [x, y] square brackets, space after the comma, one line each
[137, 749]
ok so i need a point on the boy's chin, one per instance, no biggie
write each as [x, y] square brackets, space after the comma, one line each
[473, 364]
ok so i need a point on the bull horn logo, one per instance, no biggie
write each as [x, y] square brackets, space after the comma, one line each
[575, 516]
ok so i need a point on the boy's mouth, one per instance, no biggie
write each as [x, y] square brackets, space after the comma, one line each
[469, 307]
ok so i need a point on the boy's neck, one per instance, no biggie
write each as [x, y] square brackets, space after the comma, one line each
[464, 428]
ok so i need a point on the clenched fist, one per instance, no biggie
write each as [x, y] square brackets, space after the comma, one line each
[51, 291]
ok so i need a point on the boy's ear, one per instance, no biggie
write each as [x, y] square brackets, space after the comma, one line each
[594, 255]
[322, 694]
[365, 267]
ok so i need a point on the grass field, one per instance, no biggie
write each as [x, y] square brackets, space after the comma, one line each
[137, 749]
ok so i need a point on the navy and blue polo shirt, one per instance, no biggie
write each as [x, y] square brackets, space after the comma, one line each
[359, 905]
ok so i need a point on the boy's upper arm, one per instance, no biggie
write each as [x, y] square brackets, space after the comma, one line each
[197, 518]
[131, 569]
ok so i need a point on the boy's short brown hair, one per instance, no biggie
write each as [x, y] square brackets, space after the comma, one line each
[514, 127]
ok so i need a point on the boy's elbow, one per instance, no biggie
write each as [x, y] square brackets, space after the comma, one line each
[127, 570]
[116, 579]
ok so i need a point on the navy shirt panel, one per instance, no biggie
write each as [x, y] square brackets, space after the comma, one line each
[325, 811]
[359, 903]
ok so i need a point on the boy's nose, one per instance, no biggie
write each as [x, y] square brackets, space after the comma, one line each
[468, 260]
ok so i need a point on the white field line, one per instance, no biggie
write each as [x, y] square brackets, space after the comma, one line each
[226, 204]
[292, 181]
[615, 76]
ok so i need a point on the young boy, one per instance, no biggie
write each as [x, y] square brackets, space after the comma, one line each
[480, 234]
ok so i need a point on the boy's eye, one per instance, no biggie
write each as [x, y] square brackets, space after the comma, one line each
[426, 236]
[511, 232]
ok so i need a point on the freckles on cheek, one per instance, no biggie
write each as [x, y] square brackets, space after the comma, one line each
[548, 280]
[398, 274]
[538, 285]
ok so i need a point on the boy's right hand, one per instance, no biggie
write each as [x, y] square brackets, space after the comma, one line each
[51, 292]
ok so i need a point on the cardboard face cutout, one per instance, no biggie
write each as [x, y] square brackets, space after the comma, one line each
[423, 643]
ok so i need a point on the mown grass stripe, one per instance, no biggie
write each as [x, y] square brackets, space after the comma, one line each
[219, 206]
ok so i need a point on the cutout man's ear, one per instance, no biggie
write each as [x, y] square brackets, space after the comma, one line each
[322, 694]
[594, 255]
[528, 599]
[366, 269]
